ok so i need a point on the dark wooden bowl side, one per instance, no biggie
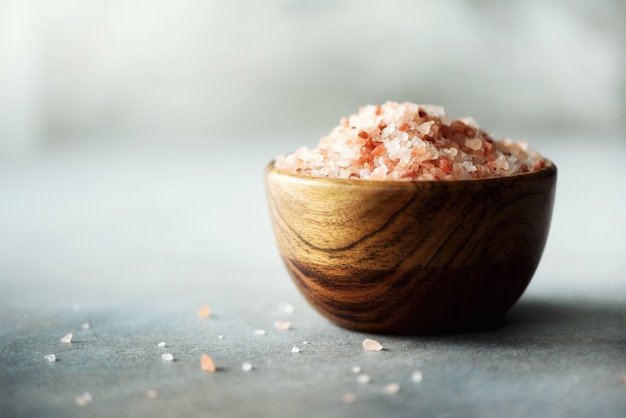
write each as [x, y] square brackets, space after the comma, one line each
[411, 257]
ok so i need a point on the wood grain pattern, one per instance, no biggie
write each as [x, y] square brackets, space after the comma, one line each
[411, 257]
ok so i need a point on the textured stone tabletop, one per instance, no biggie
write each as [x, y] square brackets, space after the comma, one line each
[121, 245]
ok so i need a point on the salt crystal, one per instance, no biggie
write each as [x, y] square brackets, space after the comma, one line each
[372, 345]
[286, 307]
[356, 369]
[392, 388]
[85, 325]
[295, 349]
[207, 364]
[259, 332]
[305, 342]
[161, 344]
[282, 325]
[50, 357]
[349, 397]
[363, 378]
[67, 338]
[220, 337]
[474, 143]
[167, 357]
[417, 376]
[83, 399]
[204, 312]
[246, 367]
[470, 121]
[152, 394]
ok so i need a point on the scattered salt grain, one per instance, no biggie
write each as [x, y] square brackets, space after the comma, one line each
[246, 367]
[349, 397]
[50, 357]
[417, 376]
[295, 349]
[85, 325]
[356, 369]
[220, 337]
[84, 399]
[392, 388]
[305, 342]
[152, 394]
[67, 338]
[207, 364]
[282, 325]
[286, 307]
[259, 332]
[204, 312]
[363, 378]
[372, 345]
[162, 344]
[167, 357]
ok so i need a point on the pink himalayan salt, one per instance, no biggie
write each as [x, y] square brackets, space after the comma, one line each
[406, 141]
[372, 345]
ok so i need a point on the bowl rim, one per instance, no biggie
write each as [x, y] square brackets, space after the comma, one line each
[549, 170]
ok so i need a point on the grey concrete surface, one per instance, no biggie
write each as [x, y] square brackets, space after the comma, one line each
[134, 239]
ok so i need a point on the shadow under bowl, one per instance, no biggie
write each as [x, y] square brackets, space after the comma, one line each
[403, 257]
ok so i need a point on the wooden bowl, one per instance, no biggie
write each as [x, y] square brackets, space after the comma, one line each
[401, 257]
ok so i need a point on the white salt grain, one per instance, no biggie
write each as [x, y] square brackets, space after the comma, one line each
[259, 332]
[161, 344]
[356, 369]
[417, 376]
[67, 338]
[305, 342]
[392, 388]
[295, 349]
[286, 307]
[50, 357]
[167, 357]
[372, 345]
[363, 378]
[85, 325]
[83, 399]
[349, 397]
[246, 367]
[220, 337]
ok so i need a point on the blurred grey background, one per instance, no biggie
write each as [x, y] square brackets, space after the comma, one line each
[104, 70]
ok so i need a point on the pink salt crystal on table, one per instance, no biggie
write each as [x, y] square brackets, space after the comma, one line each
[372, 345]
[204, 312]
[282, 325]
[392, 388]
[67, 338]
[349, 397]
[207, 364]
